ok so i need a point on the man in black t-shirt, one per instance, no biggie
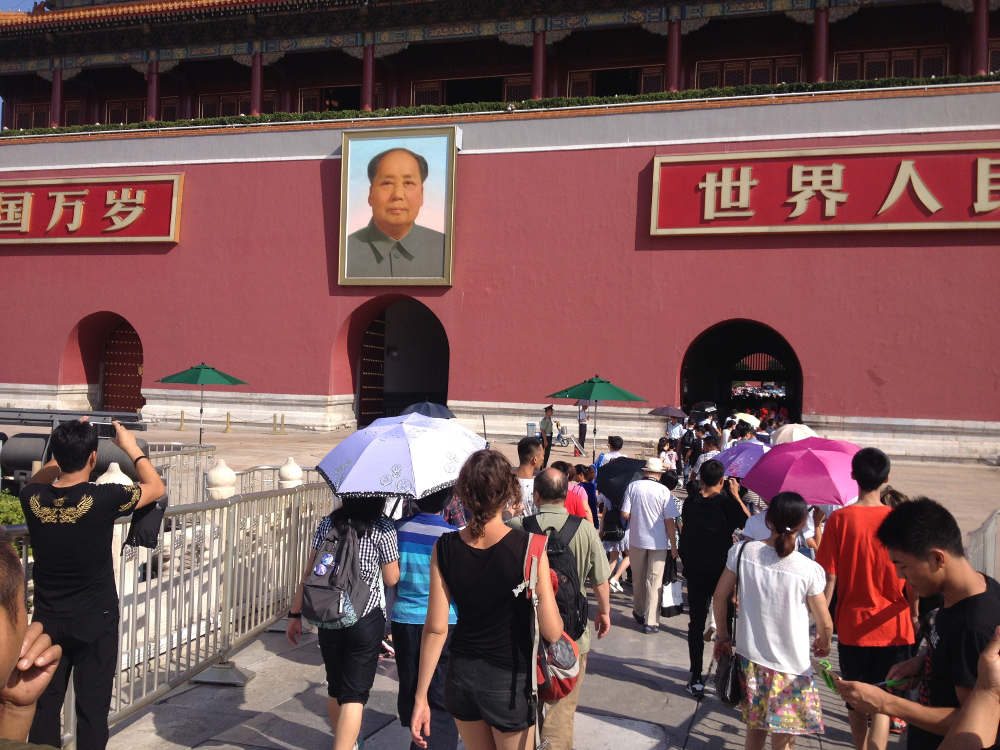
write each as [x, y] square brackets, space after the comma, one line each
[708, 520]
[71, 521]
[925, 545]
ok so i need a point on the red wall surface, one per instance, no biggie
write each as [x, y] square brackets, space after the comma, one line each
[555, 278]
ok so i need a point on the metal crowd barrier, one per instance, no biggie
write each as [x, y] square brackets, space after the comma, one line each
[223, 572]
[981, 546]
[183, 467]
[265, 477]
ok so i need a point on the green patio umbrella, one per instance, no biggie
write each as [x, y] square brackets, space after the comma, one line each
[201, 375]
[596, 389]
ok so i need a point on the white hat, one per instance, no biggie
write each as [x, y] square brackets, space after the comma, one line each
[653, 466]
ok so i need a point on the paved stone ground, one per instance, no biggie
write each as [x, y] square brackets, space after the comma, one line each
[632, 697]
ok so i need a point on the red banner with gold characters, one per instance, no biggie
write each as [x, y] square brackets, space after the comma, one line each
[142, 208]
[946, 186]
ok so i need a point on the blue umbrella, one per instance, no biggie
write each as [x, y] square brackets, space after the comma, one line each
[739, 459]
[406, 456]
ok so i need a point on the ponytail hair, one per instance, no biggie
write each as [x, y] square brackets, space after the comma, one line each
[785, 514]
[485, 485]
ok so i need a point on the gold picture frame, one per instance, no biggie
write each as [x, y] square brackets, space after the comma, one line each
[392, 231]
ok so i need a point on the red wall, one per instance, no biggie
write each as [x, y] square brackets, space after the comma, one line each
[555, 278]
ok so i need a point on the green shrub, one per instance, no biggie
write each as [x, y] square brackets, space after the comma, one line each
[10, 510]
[500, 107]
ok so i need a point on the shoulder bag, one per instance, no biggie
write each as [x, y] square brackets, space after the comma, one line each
[729, 677]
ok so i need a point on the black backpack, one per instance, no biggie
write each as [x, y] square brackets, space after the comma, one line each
[613, 526]
[571, 601]
[334, 593]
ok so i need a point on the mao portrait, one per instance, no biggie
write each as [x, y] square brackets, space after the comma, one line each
[397, 193]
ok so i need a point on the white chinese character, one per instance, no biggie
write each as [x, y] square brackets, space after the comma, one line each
[62, 203]
[128, 204]
[906, 174]
[987, 183]
[808, 181]
[725, 197]
[15, 212]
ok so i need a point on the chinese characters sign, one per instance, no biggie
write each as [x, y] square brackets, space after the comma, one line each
[950, 186]
[91, 209]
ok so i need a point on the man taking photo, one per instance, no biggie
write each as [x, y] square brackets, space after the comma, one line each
[71, 521]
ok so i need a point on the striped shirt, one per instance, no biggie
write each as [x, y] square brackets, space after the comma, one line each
[416, 541]
[375, 549]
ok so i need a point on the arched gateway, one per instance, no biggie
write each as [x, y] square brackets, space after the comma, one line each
[403, 358]
[104, 351]
[739, 364]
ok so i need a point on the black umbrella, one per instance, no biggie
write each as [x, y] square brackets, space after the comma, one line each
[668, 411]
[429, 409]
[616, 475]
[702, 411]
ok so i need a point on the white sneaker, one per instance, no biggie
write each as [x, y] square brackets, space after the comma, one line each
[615, 586]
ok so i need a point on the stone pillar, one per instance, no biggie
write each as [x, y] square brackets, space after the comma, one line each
[289, 475]
[286, 104]
[980, 37]
[368, 78]
[153, 91]
[392, 89]
[56, 101]
[538, 66]
[674, 55]
[821, 43]
[186, 102]
[256, 84]
[220, 481]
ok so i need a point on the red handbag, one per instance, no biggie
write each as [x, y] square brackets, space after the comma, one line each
[557, 663]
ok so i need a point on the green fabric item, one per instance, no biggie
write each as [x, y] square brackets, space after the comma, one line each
[596, 389]
[591, 560]
[202, 375]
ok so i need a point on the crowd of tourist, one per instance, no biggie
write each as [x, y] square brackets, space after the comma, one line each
[767, 582]
[915, 623]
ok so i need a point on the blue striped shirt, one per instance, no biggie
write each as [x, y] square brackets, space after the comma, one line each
[416, 541]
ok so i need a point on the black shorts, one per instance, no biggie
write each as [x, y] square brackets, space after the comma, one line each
[350, 656]
[475, 690]
[869, 663]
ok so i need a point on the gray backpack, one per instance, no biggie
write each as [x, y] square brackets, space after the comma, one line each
[334, 595]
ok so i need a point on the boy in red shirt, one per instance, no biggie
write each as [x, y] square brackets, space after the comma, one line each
[874, 619]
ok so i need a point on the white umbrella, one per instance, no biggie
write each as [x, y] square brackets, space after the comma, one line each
[750, 419]
[406, 456]
[789, 433]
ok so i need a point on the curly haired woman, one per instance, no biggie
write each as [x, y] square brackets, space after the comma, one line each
[487, 688]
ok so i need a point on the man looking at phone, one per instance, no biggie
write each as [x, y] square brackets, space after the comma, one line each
[71, 521]
[925, 545]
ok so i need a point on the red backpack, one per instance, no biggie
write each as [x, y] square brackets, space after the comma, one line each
[558, 663]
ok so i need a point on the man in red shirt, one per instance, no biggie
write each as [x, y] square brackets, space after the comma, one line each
[576, 496]
[874, 619]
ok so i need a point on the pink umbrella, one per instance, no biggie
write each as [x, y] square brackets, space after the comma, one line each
[818, 469]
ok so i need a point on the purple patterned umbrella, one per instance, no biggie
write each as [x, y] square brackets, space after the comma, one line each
[739, 459]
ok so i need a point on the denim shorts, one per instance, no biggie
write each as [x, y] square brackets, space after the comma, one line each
[476, 690]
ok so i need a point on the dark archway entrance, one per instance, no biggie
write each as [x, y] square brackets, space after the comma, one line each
[403, 358]
[104, 352]
[740, 364]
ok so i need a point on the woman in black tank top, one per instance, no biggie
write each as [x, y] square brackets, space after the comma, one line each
[487, 689]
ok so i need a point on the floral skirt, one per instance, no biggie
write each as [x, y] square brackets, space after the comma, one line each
[780, 703]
